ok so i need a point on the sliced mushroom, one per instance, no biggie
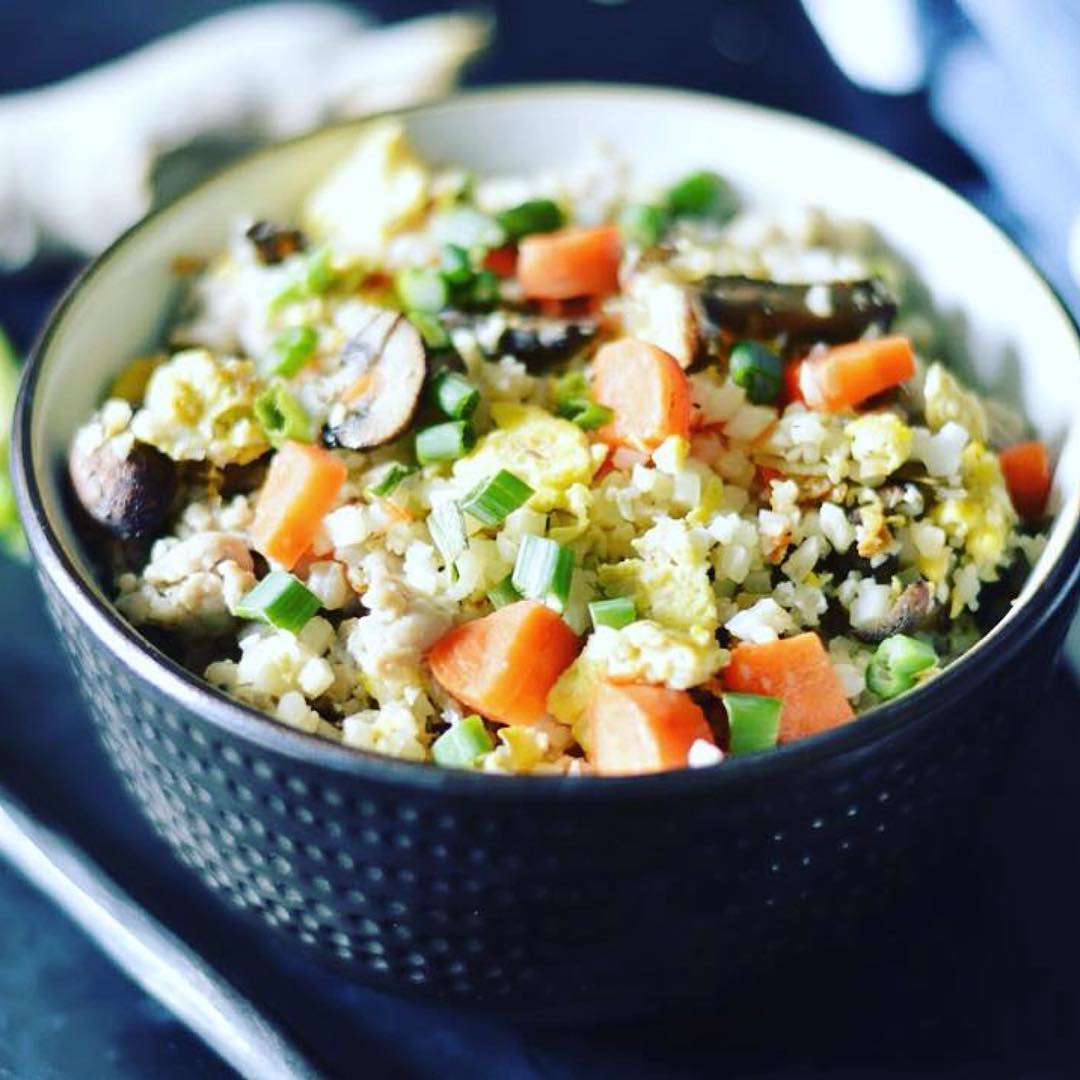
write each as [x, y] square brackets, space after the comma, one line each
[382, 375]
[764, 310]
[911, 609]
[661, 310]
[273, 243]
[539, 341]
[125, 485]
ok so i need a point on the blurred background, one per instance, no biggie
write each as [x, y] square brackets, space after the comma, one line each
[975, 977]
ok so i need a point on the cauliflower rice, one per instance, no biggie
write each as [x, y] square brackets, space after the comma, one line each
[870, 526]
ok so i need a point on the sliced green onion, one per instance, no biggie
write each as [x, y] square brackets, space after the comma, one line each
[753, 722]
[642, 223]
[759, 371]
[455, 395]
[460, 746]
[534, 216]
[570, 386]
[291, 350]
[390, 479]
[447, 527]
[896, 663]
[281, 416]
[702, 195]
[444, 442]
[504, 593]
[469, 228]
[482, 290]
[456, 265]
[586, 414]
[315, 277]
[280, 600]
[543, 571]
[616, 612]
[431, 330]
[421, 289]
[494, 499]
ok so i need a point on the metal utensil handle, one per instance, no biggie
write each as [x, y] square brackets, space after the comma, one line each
[150, 954]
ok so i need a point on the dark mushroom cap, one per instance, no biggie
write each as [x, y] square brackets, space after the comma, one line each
[274, 243]
[540, 342]
[387, 359]
[129, 493]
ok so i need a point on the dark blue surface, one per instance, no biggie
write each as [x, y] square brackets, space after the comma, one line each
[972, 971]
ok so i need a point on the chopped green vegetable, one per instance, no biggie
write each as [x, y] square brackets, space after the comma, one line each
[494, 499]
[315, 277]
[444, 442]
[534, 216]
[896, 663]
[447, 527]
[482, 291]
[753, 722]
[281, 416]
[616, 612]
[394, 474]
[642, 223]
[431, 330]
[455, 395]
[280, 600]
[456, 265]
[543, 571]
[460, 746]
[504, 593]
[573, 402]
[759, 371]
[291, 350]
[702, 195]
[11, 535]
[422, 289]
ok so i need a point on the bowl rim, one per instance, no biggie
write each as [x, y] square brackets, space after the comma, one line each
[263, 733]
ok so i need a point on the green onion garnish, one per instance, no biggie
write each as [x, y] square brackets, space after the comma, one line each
[315, 277]
[586, 414]
[455, 395]
[896, 663]
[281, 416]
[504, 593]
[759, 371]
[543, 571]
[643, 224]
[447, 528]
[534, 216]
[753, 722]
[456, 266]
[291, 350]
[460, 746]
[616, 612]
[702, 195]
[280, 600]
[390, 479]
[421, 289]
[482, 290]
[444, 442]
[494, 499]
[431, 330]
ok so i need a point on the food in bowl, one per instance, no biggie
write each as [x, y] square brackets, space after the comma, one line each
[557, 473]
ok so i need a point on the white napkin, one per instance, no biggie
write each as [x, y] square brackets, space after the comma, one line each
[77, 157]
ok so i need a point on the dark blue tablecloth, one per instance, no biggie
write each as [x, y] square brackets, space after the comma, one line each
[974, 972]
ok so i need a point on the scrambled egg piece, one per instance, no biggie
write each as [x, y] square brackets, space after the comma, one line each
[673, 594]
[551, 455]
[380, 188]
[947, 400]
[198, 408]
[880, 444]
[646, 652]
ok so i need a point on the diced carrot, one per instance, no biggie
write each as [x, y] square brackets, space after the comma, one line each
[501, 261]
[792, 378]
[646, 390]
[300, 487]
[798, 671]
[847, 375]
[570, 262]
[1026, 468]
[634, 728]
[504, 664]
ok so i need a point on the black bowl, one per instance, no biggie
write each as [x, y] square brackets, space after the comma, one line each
[547, 897]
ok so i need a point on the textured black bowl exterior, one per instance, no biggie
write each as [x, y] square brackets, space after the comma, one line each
[566, 901]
